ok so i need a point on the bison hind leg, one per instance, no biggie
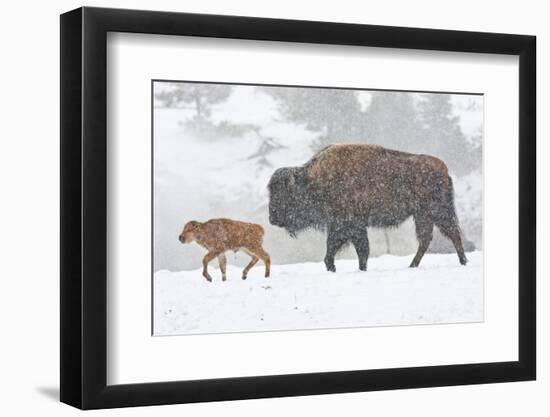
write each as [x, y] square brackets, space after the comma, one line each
[360, 240]
[424, 233]
[449, 227]
[447, 221]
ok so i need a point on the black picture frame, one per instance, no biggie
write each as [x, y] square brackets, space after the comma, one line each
[84, 207]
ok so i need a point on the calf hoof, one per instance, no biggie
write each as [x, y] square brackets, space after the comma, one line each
[463, 261]
[207, 277]
[362, 267]
[267, 275]
[223, 278]
[331, 268]
[244, 277]
[413, 264]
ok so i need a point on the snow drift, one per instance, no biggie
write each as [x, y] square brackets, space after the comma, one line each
[305, 296]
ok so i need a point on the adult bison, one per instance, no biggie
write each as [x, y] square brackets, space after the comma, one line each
[345, 188]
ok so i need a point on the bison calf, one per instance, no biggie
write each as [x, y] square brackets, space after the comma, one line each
[220, 235]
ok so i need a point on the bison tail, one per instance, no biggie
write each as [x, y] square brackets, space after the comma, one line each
[446, 212]
[450, 195]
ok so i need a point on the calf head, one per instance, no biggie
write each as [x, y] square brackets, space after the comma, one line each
[189, 232]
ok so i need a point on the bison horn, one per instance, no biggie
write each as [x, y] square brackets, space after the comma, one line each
[295, 176]
[291, 179]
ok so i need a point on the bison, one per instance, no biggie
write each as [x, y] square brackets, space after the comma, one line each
[345, 188]
[220, 235]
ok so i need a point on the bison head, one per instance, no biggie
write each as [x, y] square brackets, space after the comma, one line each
[292, 204]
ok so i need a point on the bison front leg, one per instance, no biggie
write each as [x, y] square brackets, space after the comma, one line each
[336, 238]
[360, 240]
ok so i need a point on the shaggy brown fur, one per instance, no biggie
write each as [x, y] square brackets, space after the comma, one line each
[345, 188]
[220, 235]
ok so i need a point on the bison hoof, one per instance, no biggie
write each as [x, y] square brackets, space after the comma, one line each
[362, 267]
[244, 277]
[463, 261]
[208, 277]
[223, 278]
[331, 268]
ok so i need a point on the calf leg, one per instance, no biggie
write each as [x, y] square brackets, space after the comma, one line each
[207, 258]
[360, 240]
[449, 227]
[336, 238]
[222, 261]
[424, 233]
[264, 256]
[250, 265]
[257, 253]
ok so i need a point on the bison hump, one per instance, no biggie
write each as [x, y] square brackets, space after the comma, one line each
[333, 160]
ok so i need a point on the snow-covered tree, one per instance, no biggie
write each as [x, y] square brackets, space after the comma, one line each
[266, 146]
[334, 113]
[392, 120]
[199, 97]
[442, 133]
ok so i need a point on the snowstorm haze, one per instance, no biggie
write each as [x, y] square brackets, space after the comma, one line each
[216, 146]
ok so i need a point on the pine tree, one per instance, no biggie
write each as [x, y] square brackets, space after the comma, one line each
[443, 133]
[391, 120]
[334, 113]
[200, 97]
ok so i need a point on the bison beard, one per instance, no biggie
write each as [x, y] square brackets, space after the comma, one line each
[345, 188]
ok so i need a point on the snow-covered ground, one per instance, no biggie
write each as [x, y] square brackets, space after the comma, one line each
[305, 296]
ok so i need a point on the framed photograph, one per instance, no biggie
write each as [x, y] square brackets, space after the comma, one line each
[257, 207]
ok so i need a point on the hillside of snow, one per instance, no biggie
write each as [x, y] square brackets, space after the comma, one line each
[305, 296]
